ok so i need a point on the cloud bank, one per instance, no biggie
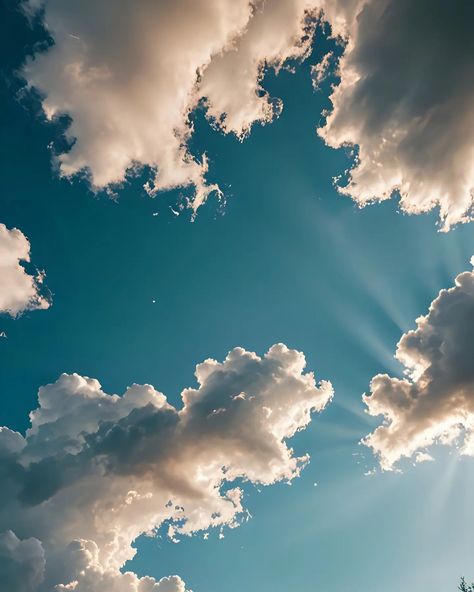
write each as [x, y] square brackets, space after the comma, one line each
[130, 74]
[19, 291]
[95, 471]
[435, 403]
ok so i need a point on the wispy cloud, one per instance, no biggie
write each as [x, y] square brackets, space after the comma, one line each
[405, 99]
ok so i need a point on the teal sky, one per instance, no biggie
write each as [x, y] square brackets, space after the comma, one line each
[139, 297]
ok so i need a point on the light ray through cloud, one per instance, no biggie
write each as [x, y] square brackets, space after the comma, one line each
[125, 99]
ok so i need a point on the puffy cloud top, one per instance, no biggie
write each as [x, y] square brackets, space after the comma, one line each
[19, 291]
[95, 471]
[129, 75]
[435, 403]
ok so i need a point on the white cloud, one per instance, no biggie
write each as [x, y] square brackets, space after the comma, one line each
[95, 471]
[406, 99]
[435, 402]
[130, 74]
[19, 291]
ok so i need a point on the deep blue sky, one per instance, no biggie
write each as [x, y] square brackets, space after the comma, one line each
[287, 259]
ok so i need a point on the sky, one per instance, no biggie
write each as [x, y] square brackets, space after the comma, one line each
[132, 288]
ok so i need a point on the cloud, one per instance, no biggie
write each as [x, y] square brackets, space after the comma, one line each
[406, 100]
[84, 555]
[130, 74]
[95, 471]
[435, 402]
[19, 291]
[279, 32]
[321, 71]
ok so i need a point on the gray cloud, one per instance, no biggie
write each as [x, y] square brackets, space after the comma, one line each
[95, 471]
[130, 76]
[406, 100]
[21, 563]
[435, 402]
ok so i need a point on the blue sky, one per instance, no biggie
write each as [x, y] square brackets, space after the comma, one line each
[139, 297]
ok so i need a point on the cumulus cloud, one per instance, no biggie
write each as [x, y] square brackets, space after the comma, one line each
[19, 291]
[279, 32]
[21, 563]
[435, 402]
[406, 100]
[130, 73]
[95, 471]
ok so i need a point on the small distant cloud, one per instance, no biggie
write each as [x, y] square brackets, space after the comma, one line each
[19, 290]
[322, 70]
[421, 457]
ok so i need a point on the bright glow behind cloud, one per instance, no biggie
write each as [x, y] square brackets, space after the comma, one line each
[95, 470]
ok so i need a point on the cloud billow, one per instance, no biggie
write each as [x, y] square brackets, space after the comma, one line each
[21, 563]
[130, 74]
[406, 100]
[95, 471]
[435, 402]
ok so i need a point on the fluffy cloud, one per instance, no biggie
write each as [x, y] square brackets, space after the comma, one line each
[21, 563]
[19, 291]
[95, 471]
[435, 402]
[406, 99]
[129, 74]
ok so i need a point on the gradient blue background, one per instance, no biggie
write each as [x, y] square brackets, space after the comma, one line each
[287, 259]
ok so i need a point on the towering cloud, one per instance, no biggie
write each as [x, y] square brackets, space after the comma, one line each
[96, 470]
[129, 74]
[435, 402]
[19, 291]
